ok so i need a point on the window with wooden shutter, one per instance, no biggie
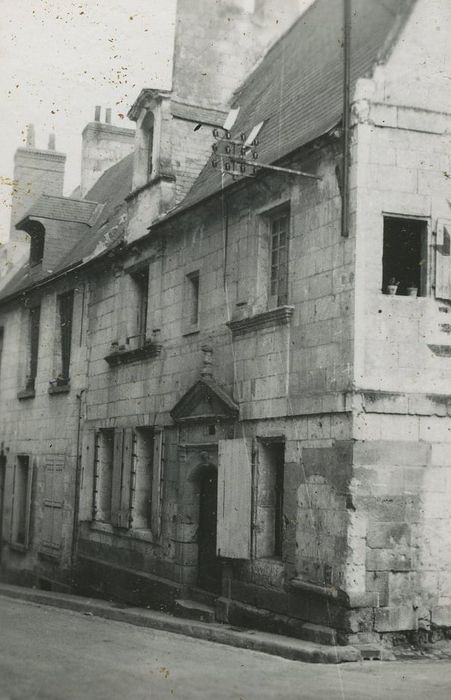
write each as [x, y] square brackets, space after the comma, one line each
[157, 482]
[122, 466]
[141, 478]
[21, 507]
[234, 498]
[53, 502]
[66, 308]
[443, 260]
[103, 475]
[34, 325]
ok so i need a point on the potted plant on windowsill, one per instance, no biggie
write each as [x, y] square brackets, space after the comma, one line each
[392, 286]
[412, 290]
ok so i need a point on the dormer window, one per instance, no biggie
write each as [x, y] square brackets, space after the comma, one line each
[148, 129]
[37, 234]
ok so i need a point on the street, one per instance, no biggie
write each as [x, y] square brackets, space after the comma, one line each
[52, 654]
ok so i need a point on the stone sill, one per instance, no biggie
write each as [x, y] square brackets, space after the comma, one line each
[59, 389]
[16, 546]
[26, 394]
[192, 330]
[318, 589]
[125, 357]
[141, 534]
[281, 316]
[50, 554]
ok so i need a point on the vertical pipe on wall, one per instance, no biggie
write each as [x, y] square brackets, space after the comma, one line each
[347, 15]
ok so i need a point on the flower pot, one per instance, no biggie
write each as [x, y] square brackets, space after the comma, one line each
[412, 291]
[392, 289]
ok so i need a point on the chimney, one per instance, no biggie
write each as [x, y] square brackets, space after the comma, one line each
[103, 145]
[36, 172]
[230, 38]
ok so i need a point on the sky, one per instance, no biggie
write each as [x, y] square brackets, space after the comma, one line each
[60, 58]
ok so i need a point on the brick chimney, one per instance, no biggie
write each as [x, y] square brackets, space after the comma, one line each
[217, 44]
[103, 145]
[36, 171]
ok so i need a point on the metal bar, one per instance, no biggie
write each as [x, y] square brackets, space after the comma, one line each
[278, 169]
[347, 12]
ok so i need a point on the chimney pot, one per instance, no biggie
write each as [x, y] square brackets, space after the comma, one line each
[97, 113]
[51, 142]
[108, 115]
[30, 136]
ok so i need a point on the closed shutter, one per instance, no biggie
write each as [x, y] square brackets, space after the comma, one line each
[234, 498]
[52, 519]
[443, 260]
[124, 519]
[157, 478]
[117, 477]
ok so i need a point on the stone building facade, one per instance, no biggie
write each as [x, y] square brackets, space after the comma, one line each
[248, 418]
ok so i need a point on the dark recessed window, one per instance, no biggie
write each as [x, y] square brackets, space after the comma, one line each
[37, 236]
[141, 280]
[66, 307]
[404, 256]
[193, 291]
[279, 230]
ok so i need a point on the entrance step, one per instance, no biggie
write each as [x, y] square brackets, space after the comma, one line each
[319, 634]
[199, 595]
[193, 610]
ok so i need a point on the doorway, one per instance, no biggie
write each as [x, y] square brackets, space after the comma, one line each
[209, 566]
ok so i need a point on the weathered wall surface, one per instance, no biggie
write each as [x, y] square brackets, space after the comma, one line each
[42, 427]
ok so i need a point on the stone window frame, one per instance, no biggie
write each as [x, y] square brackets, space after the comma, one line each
[266, 216]
[426, 286]
[192, 290]
[26, 470]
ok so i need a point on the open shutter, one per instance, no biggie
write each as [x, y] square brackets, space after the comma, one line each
[53, 504]
[234, 498]
[157, 476]
[443, 260]
[117, 477]
[127, 456]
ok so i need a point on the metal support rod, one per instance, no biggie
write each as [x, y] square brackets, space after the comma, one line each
[347, 18]
[278, 169]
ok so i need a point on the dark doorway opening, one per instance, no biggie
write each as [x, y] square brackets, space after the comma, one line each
[209, 566]
[404, 257]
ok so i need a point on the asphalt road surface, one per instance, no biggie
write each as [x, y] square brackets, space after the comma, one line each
[51, 654]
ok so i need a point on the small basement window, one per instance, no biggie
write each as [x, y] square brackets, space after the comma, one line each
[404, 256]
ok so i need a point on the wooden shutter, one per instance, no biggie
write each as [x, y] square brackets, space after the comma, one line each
[157, 477]
[443, 260]
[117, 477]
[127, 456]
[19, 503]
[234, 498]
[53, 502]
[96, 475]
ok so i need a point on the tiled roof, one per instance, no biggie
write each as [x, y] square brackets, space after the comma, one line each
[61, 209]
[213, 117]
[110, 191]
[297, 89]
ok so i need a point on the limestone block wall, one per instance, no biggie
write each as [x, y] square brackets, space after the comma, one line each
[42, 427]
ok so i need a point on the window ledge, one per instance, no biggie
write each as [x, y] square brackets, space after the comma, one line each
[125, 357]
[49, 553]
[18, 547]
[191, 330]
[142, 534]
[59, 388]
[322, 590]
[280, 316]
[26, 394]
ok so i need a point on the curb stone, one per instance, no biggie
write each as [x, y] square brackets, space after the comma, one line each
[276, 645]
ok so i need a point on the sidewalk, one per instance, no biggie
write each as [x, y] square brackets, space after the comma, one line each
[276, 645]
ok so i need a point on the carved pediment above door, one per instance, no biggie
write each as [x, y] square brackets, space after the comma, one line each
[205, 401]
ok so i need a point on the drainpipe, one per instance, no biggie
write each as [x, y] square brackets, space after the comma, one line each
[77, 481]
[347, 15]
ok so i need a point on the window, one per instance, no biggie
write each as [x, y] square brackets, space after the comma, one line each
[148, 128]
[66, 307]
[37, 234]
[141, 478]
[404, 256]
[279, 230]
[191, 301]
[33, 347]
[52, 514]
[141, 281]
[21, 502]
[270, 500]
[103, 475]
[1, 346]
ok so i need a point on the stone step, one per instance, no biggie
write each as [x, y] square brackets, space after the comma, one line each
[199, 595]
[193, 610]
[319, 634]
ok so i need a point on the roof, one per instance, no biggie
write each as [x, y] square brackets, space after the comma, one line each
[61, 209]
[297, 89]
[211, 117]
[89, 240]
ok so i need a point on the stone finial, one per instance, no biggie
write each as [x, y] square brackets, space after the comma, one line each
[207, 361]
[30, 136]
[52, 142]
[108, 115]
[97, 113]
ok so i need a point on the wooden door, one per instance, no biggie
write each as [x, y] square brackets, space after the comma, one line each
[209, 567]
